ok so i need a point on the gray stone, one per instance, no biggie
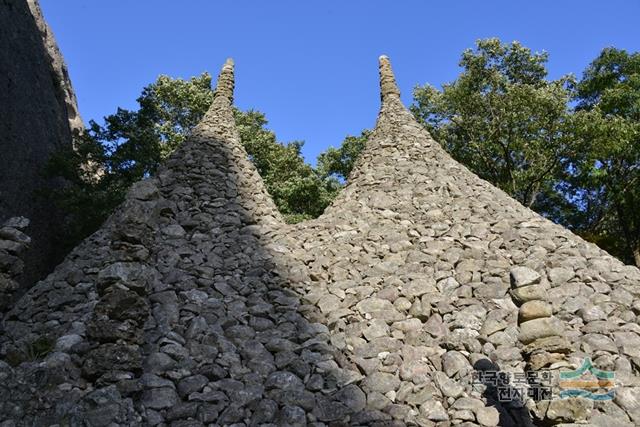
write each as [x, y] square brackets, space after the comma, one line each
[231, 414]
[378, 328]
[469, 403]
[434, 411]
[192, 384]
[381, 382]
[154, 381]
[66, 342]
[534, 309]
[291, 416]
[370, 305]
[599, 342]
[523, 276]
[540, 328]
[591, 313]
[283, 380]
[560, 275]
[447, 386]
[488, 416]
[18, 222]
[408, 325]
[329, 410]
[454, 362]
[570, 410]
[529, 293]
[435, 326]
[265, 412]
[144, 190]
[628, 398]
[352, 397]
[329, 303]
[158, 362]
[159, 398]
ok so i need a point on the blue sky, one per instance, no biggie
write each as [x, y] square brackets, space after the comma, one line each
[311, 66]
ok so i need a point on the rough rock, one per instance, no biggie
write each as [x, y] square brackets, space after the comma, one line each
[539, 328]
[524, 276]
[488, 416]
[38, 115]
[570, 410]
[535, 309]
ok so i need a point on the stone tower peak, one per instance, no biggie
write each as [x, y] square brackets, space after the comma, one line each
[388, 85]
[226, 83]
[395, 152]
[218, 122]
[216, 137]
[394, 119]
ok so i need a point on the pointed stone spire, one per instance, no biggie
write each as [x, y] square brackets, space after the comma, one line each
[384, 166]
[388, 86]
[218, 122]
[217, 137]
[226, 83]
[393, 114]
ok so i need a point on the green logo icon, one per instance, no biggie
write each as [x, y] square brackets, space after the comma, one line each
[588, 381]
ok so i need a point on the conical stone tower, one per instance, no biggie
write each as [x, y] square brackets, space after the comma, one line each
[196, 305]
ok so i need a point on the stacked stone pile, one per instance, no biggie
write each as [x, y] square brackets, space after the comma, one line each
[541, 333]
[13, 243]
[196, 305]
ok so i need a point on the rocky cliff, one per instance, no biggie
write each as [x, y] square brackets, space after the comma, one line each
[38, 113]
[423, 296]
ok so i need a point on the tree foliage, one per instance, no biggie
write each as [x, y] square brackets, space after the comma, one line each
[604, 180]
[568, 149]
[579, 166]
[132, 144]
[338, 162]
[502, 119]
[299, 191]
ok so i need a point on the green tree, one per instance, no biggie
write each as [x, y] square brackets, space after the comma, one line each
[298, 190]
[87, 193]
[338, 162]
[604, 178]
[503, 119]
[132, 144]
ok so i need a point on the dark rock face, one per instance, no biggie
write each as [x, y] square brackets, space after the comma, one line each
[195, 304]
[36, 106]
[13, 242]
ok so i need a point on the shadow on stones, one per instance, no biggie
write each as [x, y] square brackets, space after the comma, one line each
[197, 321]
[226, 341]
[505, 398]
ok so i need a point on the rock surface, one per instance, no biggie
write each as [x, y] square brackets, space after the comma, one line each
[38, 114]
[196, 305]
[13, 243]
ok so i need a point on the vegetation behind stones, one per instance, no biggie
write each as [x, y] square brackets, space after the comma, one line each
[567, 148]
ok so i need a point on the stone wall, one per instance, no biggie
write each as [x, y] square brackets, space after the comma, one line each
[38, 113]
[196, 305]
[13, 243]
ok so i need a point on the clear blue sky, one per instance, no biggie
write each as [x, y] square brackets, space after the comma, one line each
[311, 66]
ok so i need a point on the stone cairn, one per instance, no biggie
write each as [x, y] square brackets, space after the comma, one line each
[544, 346]
[195, 304]
[13, 242]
